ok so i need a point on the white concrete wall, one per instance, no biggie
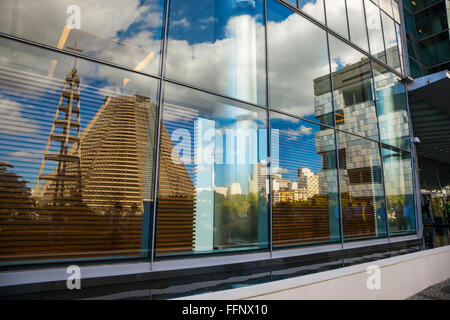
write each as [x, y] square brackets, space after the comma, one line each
[401, 277]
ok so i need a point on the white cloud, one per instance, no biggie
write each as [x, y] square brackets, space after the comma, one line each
[210, 19]
[279, 170]
[295, 134]
[231, 66]
[182, 22]
[12, 120]
[29, 153]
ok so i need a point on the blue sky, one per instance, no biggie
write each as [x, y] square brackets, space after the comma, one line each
[205, 20]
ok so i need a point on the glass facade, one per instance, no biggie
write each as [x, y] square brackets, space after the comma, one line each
[428, 36]
[177, 128]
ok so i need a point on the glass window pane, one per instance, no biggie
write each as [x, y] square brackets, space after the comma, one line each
[314, 8]
[76, 150]
[123, 32]
[305, 206]
[213, 184]
[361, 183]
[358, 31]
[392, 108]
[375, 31]
[390, 40]
[218, 45]
[354, 103]
[299, 74]
[399, 190]
[337, 16]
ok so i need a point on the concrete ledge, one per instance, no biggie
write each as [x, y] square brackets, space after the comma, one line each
[401, 277]
[12, 278]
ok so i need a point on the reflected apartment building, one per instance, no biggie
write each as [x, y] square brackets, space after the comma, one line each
[172, 135]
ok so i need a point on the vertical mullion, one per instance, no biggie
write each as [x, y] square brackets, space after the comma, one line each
[382, 33]
[415, 176]
[348, 22]
[399, 44]
[367, 28]
[158, 136]
[269, 140]
[374, 94]
[406, 68]
[384, 191]
[341, 227]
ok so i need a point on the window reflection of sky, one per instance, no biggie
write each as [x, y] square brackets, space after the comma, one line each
[297, 146]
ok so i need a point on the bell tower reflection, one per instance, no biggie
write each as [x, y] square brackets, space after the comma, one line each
[60, 184]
